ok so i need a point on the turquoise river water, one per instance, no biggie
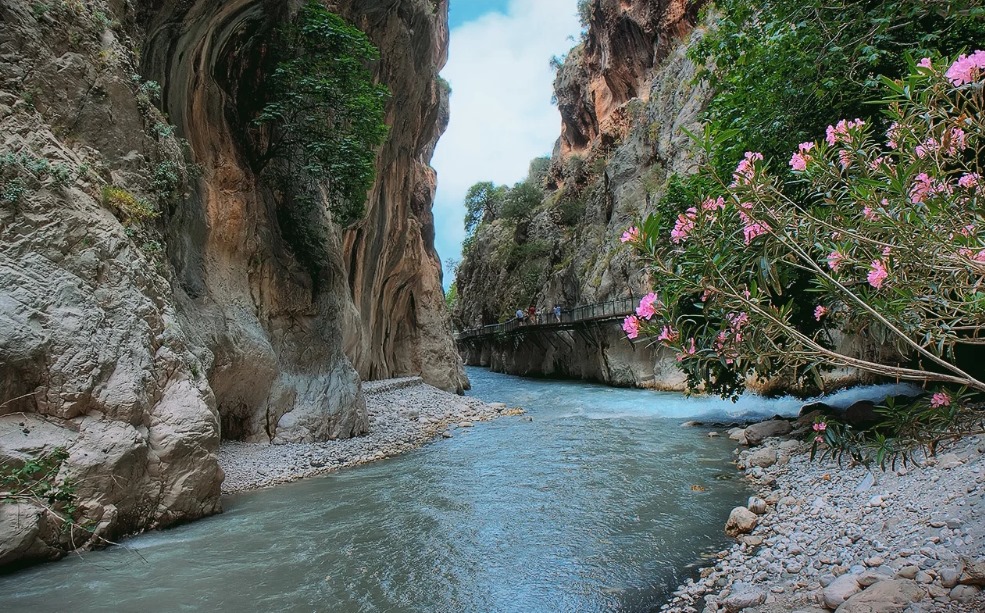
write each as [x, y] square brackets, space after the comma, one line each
[588, 507]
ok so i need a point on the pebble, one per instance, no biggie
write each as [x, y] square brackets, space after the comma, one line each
[827, 532]
[393, 429]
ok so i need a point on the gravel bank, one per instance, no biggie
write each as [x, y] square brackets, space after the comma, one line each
[403, 415]
[819, 537]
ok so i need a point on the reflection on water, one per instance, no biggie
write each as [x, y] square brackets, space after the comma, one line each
[588, 507]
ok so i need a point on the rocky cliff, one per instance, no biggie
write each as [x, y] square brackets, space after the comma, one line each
[624, 94]
[151, 303]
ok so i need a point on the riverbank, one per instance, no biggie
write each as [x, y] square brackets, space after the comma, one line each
[821, 537]
[403, 415]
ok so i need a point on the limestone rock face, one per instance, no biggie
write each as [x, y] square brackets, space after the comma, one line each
[149, 302]
[615, 64]
[623, 95]
[393, 270]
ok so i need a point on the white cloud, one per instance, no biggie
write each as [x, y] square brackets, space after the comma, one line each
[501, 111]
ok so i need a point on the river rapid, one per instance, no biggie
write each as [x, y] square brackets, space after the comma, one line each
[595, 500]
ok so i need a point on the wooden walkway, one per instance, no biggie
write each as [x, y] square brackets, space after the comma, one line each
[570, 319]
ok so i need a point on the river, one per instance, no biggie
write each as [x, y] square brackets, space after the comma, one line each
[600, 502]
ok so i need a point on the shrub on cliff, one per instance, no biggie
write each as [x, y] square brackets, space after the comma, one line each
[884, 239]
[325, 117]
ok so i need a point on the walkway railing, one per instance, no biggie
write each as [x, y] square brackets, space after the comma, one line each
[601, 311]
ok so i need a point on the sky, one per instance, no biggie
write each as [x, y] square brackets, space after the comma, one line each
[501, 112]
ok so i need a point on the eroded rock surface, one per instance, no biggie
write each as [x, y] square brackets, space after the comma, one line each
[149, 302]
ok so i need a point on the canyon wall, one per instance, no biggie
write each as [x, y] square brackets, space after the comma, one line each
[151, 303]
[625, 93]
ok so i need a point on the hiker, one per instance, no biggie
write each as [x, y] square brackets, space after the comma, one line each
[532, 312]
[519, 315]
[557, 312]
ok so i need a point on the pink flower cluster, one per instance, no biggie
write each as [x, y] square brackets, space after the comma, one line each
[630, 235]
[970, 180]
[819, 427]
[648, 306]
[834, 260]
[940, 399]
[688, 349]
[820, 311]
[731, 335]
[799, 160]
[668, 335]
[955, 141]
[683, 226]
[925, 186]
[746, 170]
[877, 274]
[971, 254]
[838, 133]
[967, 68]
[869, 214]
[751, 227]
[631, 326]
[892, 135]
[925, 63]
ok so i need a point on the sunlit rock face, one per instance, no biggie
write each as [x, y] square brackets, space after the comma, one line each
[627, 40]
[138, 346]
[624, 93]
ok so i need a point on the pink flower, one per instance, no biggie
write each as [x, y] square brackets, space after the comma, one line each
[834, 260]
[713, 205]
[839, 132]
[687, 350]
[818, 439]
[928, 147]
[753, 230]
[631, 325]
[746, 169]
[966, 69]
[877, 274]
[924, 63]
[820, 311]
[940, 399]
[956, 141]
[668, 335]
[820, 426]
[632, 234]
[799, 160]
[683, 226]
[869, 214]
[970, 180]
[923, 187]
[972, 255]
[893, 134]
[646, 308]
[845, 158]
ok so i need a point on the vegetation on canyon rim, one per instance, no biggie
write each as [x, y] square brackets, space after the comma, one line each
[326, 119]
[870, 236]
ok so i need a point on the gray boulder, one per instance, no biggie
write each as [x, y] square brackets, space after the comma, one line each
[757, 433]
[890, 596]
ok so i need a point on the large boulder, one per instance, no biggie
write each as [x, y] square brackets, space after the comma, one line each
[757, 433]
[890, 596]
[840, 590]
[740, 521]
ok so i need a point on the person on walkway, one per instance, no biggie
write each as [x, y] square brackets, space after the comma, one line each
[557, 312]
[519, 315]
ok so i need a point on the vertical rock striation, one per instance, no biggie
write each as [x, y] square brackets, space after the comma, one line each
[134, 339]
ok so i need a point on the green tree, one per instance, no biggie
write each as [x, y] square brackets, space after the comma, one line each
[482, 202]
[520, 201]
[324, 118]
